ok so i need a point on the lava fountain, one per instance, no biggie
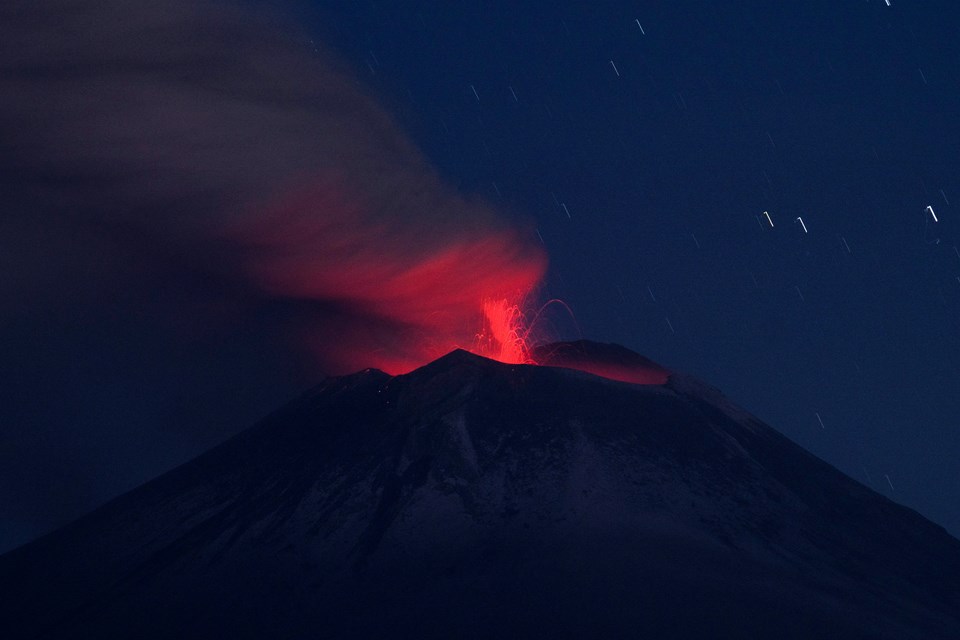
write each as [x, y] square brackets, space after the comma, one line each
[505, 334]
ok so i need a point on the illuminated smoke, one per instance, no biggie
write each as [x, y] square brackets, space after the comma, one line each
[216, 142]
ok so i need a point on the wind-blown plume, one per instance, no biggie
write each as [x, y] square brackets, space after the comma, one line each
[206, 137]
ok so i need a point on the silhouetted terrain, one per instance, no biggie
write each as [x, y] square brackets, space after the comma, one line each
[473, 499]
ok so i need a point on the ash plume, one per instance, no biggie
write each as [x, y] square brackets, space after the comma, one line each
[206, 141]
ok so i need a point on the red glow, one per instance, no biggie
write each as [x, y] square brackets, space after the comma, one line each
[394, 292]
[505, 333]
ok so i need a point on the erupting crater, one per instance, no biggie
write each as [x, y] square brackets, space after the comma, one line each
[506, 338]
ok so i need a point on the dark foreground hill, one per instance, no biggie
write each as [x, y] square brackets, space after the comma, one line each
[473, 499]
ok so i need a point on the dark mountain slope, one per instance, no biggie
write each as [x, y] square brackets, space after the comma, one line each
[475, 499]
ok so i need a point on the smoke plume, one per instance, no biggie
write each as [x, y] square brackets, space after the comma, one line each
[207, 140]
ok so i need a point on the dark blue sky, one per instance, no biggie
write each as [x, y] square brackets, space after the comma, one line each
[643, 141]
[841, 113]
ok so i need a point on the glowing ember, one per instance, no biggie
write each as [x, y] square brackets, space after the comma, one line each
[387, 293]
[505, 335]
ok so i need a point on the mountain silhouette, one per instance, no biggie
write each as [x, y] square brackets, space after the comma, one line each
[475, 499]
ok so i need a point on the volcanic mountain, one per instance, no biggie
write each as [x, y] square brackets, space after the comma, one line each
[474, 499]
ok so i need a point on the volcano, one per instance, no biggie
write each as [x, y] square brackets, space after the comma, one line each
[476, 499]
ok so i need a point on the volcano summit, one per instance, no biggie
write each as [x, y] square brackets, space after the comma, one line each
[475, 499]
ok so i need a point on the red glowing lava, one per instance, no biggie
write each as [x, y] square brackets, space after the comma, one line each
[507, 338]
[505, 335]
[394, 292]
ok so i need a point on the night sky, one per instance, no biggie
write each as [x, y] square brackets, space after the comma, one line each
[160, 250]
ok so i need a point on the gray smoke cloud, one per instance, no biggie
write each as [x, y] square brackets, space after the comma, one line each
[209, 132]
[194, 173]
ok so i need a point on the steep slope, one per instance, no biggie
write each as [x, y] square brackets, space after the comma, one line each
[606, 360]
[476, 499]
